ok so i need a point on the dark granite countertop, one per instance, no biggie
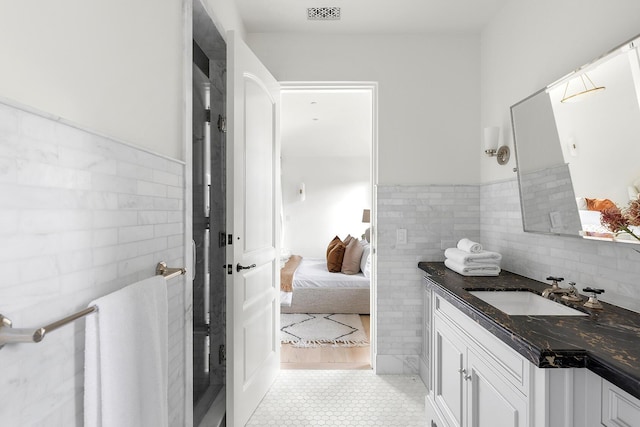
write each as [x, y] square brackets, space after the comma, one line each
[606, 341]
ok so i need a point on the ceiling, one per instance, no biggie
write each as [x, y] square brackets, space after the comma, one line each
[370, 16]
[326, 123]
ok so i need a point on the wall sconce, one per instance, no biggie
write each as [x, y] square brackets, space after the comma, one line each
[302, 192]
[491, 140]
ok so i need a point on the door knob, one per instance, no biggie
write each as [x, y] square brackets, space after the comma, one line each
[242, 267]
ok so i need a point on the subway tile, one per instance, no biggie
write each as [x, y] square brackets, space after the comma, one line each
[146, 188]
[87, 161]
[135, 233]
[111, 219]
[155, 217]
[73, 229]
[52, 221]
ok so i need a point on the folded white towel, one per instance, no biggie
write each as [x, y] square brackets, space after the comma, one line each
[126, 357]
[469, 246]
[465, 270]
[469, 259]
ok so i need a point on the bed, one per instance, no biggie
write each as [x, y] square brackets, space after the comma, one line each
[315, 290]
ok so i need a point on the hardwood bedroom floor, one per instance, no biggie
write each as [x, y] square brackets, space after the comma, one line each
[327, 357]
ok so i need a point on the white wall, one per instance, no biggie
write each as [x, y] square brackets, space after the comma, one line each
[531, 44]
[112, 66]
[337, 190]
[428, 95]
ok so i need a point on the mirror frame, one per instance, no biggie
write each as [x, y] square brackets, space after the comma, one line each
[635, 42]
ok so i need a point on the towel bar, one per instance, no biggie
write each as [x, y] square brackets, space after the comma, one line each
[10, 335]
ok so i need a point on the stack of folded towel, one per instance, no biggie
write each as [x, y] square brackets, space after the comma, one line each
[469, 259]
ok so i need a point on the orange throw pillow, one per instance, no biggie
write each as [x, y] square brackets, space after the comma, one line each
[599, 204]
[332, 244]
[334, 260]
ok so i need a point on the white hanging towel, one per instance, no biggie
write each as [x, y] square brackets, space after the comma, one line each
[126, 378]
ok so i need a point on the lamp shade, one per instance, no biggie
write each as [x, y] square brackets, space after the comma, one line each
[491, 137]
[366, 216]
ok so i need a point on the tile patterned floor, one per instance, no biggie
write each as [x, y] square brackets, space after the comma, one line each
[342, 398]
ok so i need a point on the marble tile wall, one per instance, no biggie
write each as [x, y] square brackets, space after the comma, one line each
[81, 216]
[614, 267]
[551, 190]
[435, 218]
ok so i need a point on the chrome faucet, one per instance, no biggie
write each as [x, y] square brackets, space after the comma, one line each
[568, 294]
[555, 288]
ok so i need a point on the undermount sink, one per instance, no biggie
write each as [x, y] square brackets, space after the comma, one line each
[525, 303]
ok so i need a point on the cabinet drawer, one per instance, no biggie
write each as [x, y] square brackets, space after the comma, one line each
[619, 408]
[507, 361]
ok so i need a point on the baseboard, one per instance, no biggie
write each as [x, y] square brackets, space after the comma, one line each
[397, 364]
[424, 372]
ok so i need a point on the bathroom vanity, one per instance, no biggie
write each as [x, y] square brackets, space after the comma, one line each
[484, 367]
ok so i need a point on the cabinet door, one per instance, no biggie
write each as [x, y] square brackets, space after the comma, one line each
[448, 362]
[492, 401]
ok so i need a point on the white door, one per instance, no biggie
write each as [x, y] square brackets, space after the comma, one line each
[253, 164]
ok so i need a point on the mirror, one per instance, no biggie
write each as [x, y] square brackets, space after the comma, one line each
[577, 146]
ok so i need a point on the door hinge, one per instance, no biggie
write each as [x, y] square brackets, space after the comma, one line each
[222, 354]
[207, 222]
[222, 123]
[207, 115]
[222, 239]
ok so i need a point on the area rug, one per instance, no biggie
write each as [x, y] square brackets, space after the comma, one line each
[316, 330]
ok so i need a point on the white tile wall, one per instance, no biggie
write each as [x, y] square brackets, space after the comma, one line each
[437, 216]
[550, 190]
[434, 216]
[81, 216]
[614, 267]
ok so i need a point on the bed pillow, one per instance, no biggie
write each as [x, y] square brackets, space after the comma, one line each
[352, 257]
[367, 267]
[335, 257]
[599, 204]
[365, 256]
[332, 243]
[347, 240]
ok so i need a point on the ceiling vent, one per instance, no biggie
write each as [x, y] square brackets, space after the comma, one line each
[323, 13]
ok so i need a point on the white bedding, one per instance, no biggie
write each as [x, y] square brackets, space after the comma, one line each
[313, 273]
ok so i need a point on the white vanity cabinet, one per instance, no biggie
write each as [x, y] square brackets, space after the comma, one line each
[470, 385]
[476, 380]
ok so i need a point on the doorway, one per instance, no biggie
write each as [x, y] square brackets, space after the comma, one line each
[208, 217]
[329, 129]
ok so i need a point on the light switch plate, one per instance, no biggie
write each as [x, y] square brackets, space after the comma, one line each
[401, 236]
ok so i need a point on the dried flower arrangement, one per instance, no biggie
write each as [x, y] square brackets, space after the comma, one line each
[619, 220]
